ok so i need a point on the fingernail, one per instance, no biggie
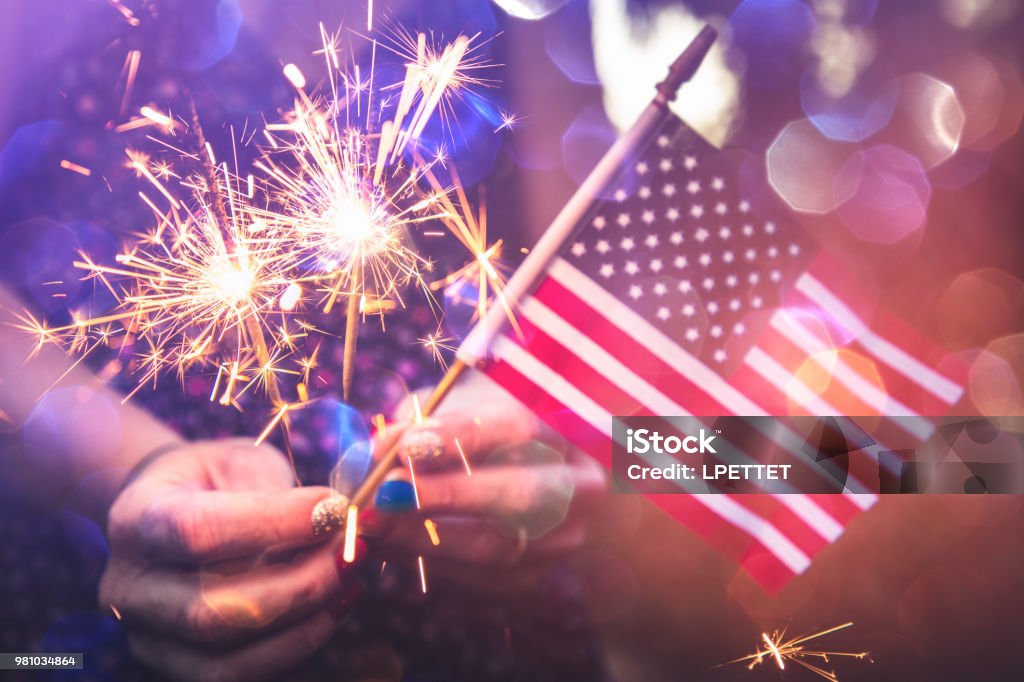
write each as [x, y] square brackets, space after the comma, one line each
[421, 444]
[329, 514]
[396, 496]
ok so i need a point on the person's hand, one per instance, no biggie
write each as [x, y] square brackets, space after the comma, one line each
[214, 567]
[521, 507]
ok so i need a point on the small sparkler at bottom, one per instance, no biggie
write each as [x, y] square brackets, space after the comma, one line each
[778, 649]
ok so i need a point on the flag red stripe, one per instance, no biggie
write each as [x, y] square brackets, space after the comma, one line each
[636, 356]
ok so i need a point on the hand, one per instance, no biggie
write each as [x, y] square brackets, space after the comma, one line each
[522, 507]
[214, 567]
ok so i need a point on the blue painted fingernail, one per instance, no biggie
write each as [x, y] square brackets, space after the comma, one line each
[396, 496]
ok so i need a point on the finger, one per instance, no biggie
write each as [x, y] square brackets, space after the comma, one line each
[229, 464]
[225, 604]
[259, 660]
[250, 467]
[460, 437]
[505, 491]
[168, 522]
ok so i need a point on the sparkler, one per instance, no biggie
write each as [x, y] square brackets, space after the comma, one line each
[776, 648]
[191, 285]
[201, 286]
[348, 194]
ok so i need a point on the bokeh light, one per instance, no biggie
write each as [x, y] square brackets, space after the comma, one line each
[927, 120]
[460, 308]
[92, 633]
[978, 306]
[26, 148]
[569, 47]
[966, 166]
[71, 430]
[882, 194]
[88, 542]
[546, 466]
[997, 378]
[1012, 110]
[979, 92]
[472, 146]
[848, 381]
[50, 275]
[212, 29]
[352, 467]
[853, 117]
[337, 429]
[229, 603]
[801, 165]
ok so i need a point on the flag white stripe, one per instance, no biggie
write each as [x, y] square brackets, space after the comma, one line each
[552, 382]
[598, 358]
[726, 508]
[806, 508]
[880, 400]
[787, 384]
[646, 334]
[892, 355]
[583, 347]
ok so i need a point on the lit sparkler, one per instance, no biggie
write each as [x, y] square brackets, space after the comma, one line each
[778, 650]
[191, 286]
[348, 195]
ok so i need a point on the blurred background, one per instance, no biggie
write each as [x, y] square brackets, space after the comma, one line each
[891, 129]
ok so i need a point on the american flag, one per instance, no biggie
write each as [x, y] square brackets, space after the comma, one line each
[673, 296]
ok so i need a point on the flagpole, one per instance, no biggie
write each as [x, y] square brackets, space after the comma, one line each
[474, 348]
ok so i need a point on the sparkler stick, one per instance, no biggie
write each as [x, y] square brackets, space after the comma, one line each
[473, 349]
[351, 338]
